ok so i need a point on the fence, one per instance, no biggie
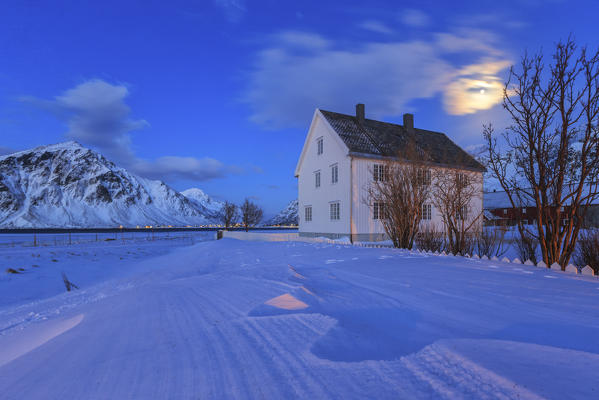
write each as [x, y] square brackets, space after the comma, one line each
[274, 237]
[294, 237]
[67, 239]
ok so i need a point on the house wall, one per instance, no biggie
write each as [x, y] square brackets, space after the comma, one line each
[365, 227]
[334, 152]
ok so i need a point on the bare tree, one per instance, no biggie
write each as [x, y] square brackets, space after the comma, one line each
[251, 214]
[228, 214]
[549, 156]
[397, 195]
[454, 194]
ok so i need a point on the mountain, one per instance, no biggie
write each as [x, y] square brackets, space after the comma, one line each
[203, 202]
[286, 217]
[68, 185]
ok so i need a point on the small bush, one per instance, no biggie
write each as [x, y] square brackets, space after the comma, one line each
[526, 246]
[587, 249]
[490, 242]
[430, 240]
[466, 246]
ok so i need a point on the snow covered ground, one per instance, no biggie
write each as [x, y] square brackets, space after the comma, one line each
[234, 319]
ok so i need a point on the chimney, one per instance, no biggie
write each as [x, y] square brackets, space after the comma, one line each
[408, 122]
[360, 113]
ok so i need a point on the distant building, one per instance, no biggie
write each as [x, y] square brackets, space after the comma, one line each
[498, 210]
[343, 154]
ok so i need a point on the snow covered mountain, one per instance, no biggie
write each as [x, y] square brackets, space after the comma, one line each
[203, 202]
[68, 185]
[286, 217]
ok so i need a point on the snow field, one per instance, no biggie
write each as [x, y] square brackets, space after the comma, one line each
[235, 319]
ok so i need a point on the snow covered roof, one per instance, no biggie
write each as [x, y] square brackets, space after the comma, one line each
[384, 139]
[499, 199]
[494, 200]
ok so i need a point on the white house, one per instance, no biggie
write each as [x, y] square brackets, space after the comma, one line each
[340, 157]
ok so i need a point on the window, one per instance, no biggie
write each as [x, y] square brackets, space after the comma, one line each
[378, 210]
[427, 211]
[524, 211]
[462, 213]
[334, 174]
[380, 173]
[317, 179]
[334, 208]
[308, 213]
[319, 146]
[424, 177]
[462, 180]
[505, 211]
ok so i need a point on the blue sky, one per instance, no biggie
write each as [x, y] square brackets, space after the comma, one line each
[218, 94]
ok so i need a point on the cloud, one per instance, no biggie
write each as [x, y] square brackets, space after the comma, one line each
[287, 83]
[96, 115]
[234, 9]
[477, 87]
[301, 40]
[414, 18]
[486, 20]
[376, 26]
[183, 168]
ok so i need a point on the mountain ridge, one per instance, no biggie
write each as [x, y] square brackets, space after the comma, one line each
[287, 216]
[67, 185]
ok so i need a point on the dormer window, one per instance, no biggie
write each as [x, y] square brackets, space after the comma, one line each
[319, 146]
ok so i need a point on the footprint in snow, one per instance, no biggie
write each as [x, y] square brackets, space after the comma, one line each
[550, 277]
[384, 257]
[527, 272]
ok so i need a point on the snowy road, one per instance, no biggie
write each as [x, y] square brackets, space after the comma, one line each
[237, 320]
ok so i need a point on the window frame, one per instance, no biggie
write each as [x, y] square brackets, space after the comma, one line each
[317, 179]
[426, 212]
[378, 210]
[334, 173]
[462, 214]
[380, 172]
[307, 213]
[319, 146]
[424, 176]
[335, 211]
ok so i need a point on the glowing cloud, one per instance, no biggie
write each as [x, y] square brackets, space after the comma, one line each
[302, 71]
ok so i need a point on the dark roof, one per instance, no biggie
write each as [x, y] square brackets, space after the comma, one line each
[383, 139]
